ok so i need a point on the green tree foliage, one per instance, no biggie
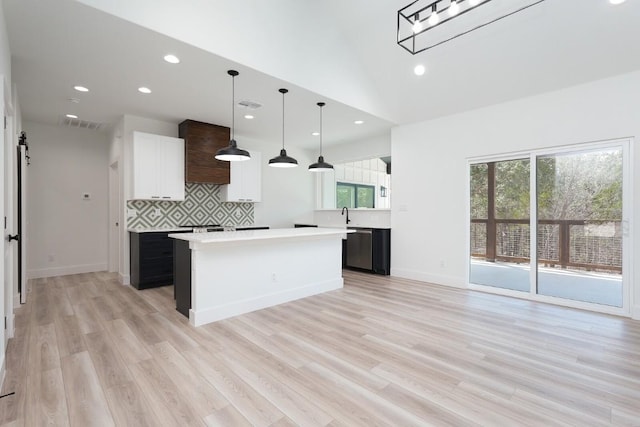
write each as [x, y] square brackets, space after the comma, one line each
[584, 185]
[512, 189]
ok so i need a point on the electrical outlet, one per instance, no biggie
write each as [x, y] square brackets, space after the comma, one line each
[132, 213]
[274, 278]
[238, 214]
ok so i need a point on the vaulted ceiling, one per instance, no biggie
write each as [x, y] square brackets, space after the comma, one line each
[340, 52]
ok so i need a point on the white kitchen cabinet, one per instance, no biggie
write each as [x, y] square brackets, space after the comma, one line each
[158, 167]
[246, 180]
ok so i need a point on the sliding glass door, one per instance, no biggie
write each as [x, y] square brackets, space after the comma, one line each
[500, 224]
[579, 207]
[549, 225]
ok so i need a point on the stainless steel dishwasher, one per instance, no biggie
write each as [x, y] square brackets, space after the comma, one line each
[360, 249]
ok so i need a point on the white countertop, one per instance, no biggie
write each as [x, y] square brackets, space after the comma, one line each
[170, 229]
[245, 235]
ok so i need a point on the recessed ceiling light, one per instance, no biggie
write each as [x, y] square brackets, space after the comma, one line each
[81, 89]
[358, 122]
[419, 70]
[248, 116]
[172, 59]
[315, 133]
[72, 116]
[144, 89]
[616, 1]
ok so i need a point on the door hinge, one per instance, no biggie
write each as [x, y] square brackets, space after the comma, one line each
[5, 122]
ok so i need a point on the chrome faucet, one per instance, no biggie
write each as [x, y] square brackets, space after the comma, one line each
[344, 208]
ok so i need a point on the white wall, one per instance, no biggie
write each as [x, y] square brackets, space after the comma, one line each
[429, 217]
[66, 234]
[367, 148]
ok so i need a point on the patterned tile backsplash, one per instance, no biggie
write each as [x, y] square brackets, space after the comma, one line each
[201, 205]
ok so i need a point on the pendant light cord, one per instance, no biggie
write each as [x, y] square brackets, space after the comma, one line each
[283, 120]
[233, 105]
[321, 129]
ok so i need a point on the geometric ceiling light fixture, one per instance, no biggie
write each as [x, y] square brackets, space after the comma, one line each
[422, 24]
[232, 153]
[320, 165]
[283, 161]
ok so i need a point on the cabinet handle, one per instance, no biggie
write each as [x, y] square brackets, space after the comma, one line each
[155, 197]
[166, 197]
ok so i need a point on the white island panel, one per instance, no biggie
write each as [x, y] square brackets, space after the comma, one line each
[238, 272]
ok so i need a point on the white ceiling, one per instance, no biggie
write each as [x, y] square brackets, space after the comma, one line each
[344, 53]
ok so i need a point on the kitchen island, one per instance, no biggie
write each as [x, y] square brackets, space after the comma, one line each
[224, 274]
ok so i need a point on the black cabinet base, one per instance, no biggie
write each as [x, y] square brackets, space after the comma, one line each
[151, 260]
[182, 275]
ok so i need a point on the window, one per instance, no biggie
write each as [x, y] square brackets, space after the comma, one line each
[355, 195]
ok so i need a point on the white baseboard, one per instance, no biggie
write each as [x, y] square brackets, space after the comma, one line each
[2, 368]
[63, 271]
[11, 326]
[635, 312]
[125, 279]
[438, 279]
[213, 314]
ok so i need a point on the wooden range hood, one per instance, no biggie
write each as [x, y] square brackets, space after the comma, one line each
[201, 141]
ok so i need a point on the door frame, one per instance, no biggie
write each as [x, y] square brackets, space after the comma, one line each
[626, 144]
[115, 222]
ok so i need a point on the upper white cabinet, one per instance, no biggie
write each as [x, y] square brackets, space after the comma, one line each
[246, 180]
[158, 167]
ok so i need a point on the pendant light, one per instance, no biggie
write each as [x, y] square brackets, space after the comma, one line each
[283, 161]
[232, 153]
[321, 165]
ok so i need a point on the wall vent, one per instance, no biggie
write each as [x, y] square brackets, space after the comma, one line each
[80, 124]
[251, 105]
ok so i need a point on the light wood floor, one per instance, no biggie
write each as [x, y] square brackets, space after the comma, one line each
[381, 351]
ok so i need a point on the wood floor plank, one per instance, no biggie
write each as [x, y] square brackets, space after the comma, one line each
[242, 396]
[130, 348]
[108, 362]
[47, 404]
[69, 335]
[85, 397]
[227, 416]
[130, 408]
[88, 318]
[164, 397]
[202, 396]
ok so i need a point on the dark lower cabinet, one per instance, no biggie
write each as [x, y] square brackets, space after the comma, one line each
[381, 256]
[151, 259]
[182, 270]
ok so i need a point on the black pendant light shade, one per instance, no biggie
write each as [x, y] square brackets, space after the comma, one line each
[232, 153]
[283, 161]
[320, 165]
